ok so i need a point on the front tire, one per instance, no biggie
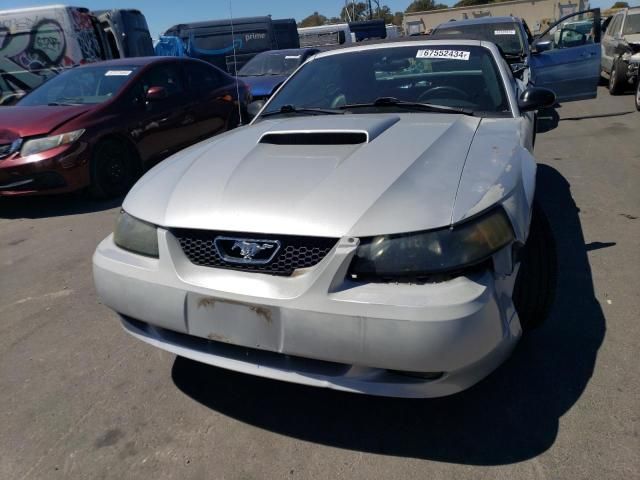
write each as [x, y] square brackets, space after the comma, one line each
[535, 287]
[617, 78]
[113, 169]
[638, 94]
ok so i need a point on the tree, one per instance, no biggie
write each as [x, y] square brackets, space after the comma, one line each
[313, 20]
[359, 11]
[397, 18]
[355, 12]
[424, 5]
[620, 5]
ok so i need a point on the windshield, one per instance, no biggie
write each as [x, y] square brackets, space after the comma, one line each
[80, 86]
[447, 75]
[506, 35]
[632, 24]
[271, 63]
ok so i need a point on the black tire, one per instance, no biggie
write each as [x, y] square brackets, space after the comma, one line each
[535, 286]
[114, 168]
[638, 94]
[617, 78]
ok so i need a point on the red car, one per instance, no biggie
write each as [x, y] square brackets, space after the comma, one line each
[101, 125]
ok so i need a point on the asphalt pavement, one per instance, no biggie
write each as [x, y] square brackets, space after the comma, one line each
[81, 399]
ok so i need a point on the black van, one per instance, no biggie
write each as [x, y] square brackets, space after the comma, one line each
[126, 32]
[229, 45]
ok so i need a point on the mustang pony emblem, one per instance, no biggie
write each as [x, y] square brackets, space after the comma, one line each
[248, 250]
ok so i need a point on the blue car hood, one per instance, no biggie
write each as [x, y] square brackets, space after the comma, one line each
[263, 86]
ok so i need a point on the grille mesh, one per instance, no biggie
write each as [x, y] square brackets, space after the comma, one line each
[5, 150]
[295, 252]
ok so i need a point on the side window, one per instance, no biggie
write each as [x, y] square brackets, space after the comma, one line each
[203, 79]
[574, 31]
[167, 76]
[614, 26]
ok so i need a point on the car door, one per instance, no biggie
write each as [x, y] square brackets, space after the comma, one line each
[566, 59]
[159, 127]
[212, 99]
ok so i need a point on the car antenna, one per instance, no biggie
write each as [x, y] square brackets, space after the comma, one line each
[235, 64]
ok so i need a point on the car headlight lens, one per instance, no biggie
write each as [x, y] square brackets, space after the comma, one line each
[136, 236]
[37, 145]
[420, 254]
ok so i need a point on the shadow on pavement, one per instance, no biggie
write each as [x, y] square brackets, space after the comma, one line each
[599, 115]
[53, 206]
[511, 416]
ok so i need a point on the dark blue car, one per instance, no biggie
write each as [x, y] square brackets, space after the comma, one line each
[265, 72]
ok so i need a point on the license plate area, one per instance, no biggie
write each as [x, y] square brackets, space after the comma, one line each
[253, 326]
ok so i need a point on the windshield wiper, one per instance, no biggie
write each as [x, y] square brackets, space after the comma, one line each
[303, 111]
[62, 104]
[394, 102]
[67, 101]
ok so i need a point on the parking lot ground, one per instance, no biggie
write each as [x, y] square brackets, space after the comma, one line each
[81, 399]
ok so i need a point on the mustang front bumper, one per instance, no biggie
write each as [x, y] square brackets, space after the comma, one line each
[316, 327]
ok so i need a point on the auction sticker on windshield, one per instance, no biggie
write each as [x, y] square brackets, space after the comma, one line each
[118, 73]
[449, 54]
[504, 32]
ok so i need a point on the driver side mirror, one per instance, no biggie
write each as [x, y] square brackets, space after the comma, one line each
[539, 47]
[155, 94]
[534, 98]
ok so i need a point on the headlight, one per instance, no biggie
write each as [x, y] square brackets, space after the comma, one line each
[38, 145]
[136, 236]
[421, 254]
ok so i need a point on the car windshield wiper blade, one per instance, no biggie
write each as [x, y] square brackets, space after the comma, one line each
[67, 101]
[61, 104]
[303, 111]
[394, 102]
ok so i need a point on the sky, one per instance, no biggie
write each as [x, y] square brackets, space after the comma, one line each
[162, 14]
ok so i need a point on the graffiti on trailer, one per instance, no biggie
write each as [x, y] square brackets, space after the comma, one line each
[34, 45]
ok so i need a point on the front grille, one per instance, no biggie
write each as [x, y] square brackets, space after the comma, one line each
[37, 181]
[5, 150]
[295, 252]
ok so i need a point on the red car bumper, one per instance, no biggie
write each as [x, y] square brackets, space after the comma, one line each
[61, 169]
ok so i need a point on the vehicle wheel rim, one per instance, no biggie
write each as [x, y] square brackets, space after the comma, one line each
[612, 79]
[114, 172]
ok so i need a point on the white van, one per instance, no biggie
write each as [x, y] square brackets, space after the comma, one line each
[36, 43]
[325, 35]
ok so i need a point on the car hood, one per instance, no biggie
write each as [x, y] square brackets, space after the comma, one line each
[634, 40]
[16, 122]
[404, 177]
[263, 86]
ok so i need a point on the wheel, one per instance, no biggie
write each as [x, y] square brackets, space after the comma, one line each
[638, 95]
[617, 78]
[114, 168]
[535, 287]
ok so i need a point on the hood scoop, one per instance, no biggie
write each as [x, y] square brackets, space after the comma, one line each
[351, 131]
[315, 138]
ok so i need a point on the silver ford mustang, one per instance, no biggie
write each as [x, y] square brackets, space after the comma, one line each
[372, 230]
